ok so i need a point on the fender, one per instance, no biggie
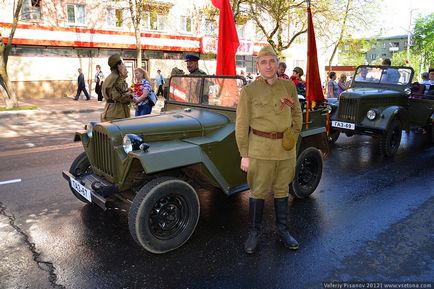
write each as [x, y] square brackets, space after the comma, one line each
[382, 122]
[182, 153]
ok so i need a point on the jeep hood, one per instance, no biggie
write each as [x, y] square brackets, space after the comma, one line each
[370, 92]
[186, 122]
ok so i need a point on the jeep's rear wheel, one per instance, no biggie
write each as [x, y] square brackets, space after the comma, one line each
[80, 166]
[390, 141]
[308, 172]
[164, 214]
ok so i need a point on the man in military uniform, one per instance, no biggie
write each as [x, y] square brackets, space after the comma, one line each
[195, 84]
[115, 91]
[193, 65]
[266, 108]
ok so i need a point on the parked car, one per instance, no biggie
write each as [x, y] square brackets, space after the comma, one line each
[156, 163]
[380, 103]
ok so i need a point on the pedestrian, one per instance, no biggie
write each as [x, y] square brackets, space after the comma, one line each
[390, 75]
[267, 108]
[193, 65]
[281, 71]
[159, 82]
[342, 84]
[115, 91]
[81, 86]
[332, 86]
[142, 92]
[299, 83]
[99, 79]
[249, 77]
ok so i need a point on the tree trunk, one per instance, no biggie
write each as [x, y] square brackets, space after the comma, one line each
[7, 90]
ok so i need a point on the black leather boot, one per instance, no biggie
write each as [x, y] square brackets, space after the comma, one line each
[256, 207]
[281, 209]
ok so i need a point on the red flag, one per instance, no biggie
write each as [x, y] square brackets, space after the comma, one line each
[313, 81]
[228, 39]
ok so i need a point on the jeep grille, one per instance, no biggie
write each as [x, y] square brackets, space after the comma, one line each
[103, 152]
[348, 108]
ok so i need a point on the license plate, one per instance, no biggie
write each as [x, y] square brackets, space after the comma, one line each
[345, 125]
[82, 190]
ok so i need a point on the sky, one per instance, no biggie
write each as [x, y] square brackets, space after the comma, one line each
[395, 18]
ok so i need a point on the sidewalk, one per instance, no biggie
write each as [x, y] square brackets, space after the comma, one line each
[64, 105]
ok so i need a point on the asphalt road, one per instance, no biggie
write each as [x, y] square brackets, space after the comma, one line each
[371, 219]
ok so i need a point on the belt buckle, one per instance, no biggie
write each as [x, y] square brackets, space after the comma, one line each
[273, 135]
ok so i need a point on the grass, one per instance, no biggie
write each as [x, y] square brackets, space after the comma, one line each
[22, 107]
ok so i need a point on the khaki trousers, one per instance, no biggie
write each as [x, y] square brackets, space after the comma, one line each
[264, 176]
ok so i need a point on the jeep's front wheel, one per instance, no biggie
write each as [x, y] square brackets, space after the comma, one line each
[308, 172]
[333, 136]
[391, 139]
[80, 166]
[164, 214]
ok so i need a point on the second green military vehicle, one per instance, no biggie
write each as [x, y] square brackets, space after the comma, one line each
[156, 163]
[380, 103]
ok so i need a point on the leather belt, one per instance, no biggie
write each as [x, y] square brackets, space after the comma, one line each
[272, 135]
[112, 101]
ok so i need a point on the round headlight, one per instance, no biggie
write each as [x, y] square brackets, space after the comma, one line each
[371, 114]
[131, 142]
[89, 128]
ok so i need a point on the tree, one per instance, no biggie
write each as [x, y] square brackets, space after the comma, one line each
[423, 40]
[351, 18]
[280, 21]
[8, 91]
[354, 51]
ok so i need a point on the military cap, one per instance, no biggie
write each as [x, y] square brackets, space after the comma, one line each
[267, 51]
[191, 57]
[114, 59]
[298, 70]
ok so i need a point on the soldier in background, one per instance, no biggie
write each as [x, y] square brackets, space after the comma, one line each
[115, 91]
[193, 65]
[266, 108]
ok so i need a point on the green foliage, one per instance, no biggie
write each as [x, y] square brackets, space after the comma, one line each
[22, 107]
[353, 51]
[423, 40]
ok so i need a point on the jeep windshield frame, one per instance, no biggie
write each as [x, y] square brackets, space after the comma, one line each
[205, 90]
[368, 75]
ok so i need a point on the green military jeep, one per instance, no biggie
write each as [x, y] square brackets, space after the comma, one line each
[156, 163]
[380, 103]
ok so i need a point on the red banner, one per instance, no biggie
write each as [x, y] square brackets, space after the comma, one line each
[227, 40]
[313, 81]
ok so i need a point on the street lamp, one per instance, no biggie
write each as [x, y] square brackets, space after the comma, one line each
[409, 35]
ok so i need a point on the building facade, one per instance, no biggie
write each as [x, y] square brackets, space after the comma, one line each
[55, 37]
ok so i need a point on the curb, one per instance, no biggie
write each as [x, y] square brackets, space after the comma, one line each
[26, 113]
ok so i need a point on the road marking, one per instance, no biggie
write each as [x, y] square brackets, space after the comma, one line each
[10, 182]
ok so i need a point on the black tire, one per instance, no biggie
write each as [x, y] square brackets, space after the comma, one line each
[80, 166]
[391, 139]
[333, 136]
[164, 214]
[308, 171]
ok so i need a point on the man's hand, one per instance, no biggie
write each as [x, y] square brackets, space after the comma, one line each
[244, 164]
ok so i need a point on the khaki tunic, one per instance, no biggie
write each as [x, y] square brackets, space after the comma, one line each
[117, 96]
[259, 107]
[198, 72]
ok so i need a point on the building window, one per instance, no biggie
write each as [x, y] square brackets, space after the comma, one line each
[114, 17]
[210, 27]
[373, 56]
[248, 62]
[31, 10]
[186, 24]
[154, 21]
[76, 14]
